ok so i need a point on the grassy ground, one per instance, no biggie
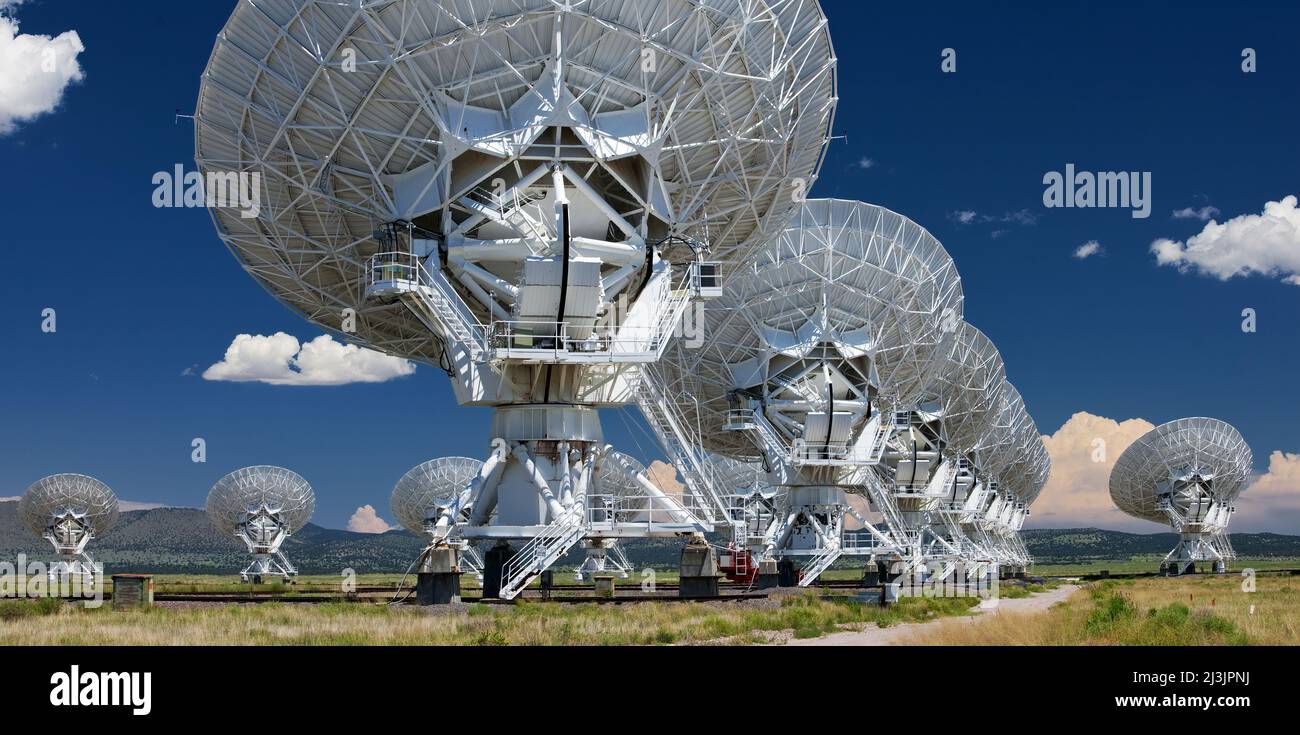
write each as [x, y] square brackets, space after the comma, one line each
[1139, 564]
[1194, 610]
[540, 623]
[1206, 610]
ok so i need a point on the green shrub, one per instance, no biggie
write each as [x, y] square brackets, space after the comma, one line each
[19, 609]
[491, 638]
[1112, 610]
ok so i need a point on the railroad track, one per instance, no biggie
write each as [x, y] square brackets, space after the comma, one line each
[409, 597]
[1151, 575]
[567, 594]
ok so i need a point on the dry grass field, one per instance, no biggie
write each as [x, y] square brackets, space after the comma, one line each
[46, 622]
[1204, 610]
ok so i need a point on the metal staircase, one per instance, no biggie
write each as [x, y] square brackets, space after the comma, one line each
[431, 298]
[435, 299]
[671, 316]
[681, 444]
[768, 437]
[883, 501]
[511, 210]
[825, 557]
[541, 552]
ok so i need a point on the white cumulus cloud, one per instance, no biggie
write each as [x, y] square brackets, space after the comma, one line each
[281, 360]
[1272, 501]
[1077, 493]
[1088, 249]
[367, 520]
[34, 70]
[1265, 244]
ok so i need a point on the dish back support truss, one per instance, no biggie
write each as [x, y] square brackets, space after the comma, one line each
[68, 511]
[506, 189]
[966, 397]
[1187, 473]
[262, 506]
[839, 318]
[689, 117]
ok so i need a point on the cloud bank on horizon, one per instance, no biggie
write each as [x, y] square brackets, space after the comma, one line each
[1077, 494]
[281, 359]
[35, 70]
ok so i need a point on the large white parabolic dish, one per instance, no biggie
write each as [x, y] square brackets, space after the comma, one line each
[68, 493]
[429, 488]
[698, 118]
[969, 388]
[1000, 443]
[1206, 447]
[865, 288]
[241, 494]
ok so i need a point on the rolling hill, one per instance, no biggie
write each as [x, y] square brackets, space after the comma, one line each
[182, 541]
[1095, 544]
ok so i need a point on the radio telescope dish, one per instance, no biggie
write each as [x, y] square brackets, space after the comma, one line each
[1022, 474]
[811, 347]
[1187, 473]
[843, 315]
[430, 488]
[693, 118]
[748, 480]
[1041, 466]
[1000, 445]
[84, 497]
[262, 506]
[969, 388]
[1201, 451]
[68, 511]
[522, 193]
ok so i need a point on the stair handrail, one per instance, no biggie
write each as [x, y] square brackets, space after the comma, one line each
[531, 560]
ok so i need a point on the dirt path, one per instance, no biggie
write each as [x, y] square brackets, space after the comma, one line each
[895, 634]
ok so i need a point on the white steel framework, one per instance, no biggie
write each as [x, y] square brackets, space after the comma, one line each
[262, 506]
[840, 319]
[936, 473]
[521, 192]
[1187, 473]
[69, 510]
[1012, 466]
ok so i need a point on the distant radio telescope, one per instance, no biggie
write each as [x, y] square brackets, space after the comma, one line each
[68, 511]
[1188, 474]
[423, 497]
[262, 506]
[423, 494]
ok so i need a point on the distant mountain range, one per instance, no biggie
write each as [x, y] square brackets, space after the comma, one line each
[182, 541]
[1094, 544]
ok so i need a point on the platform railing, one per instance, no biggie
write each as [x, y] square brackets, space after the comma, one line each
[404, 273]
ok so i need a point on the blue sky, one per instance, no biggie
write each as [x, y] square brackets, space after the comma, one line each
[143, 294]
